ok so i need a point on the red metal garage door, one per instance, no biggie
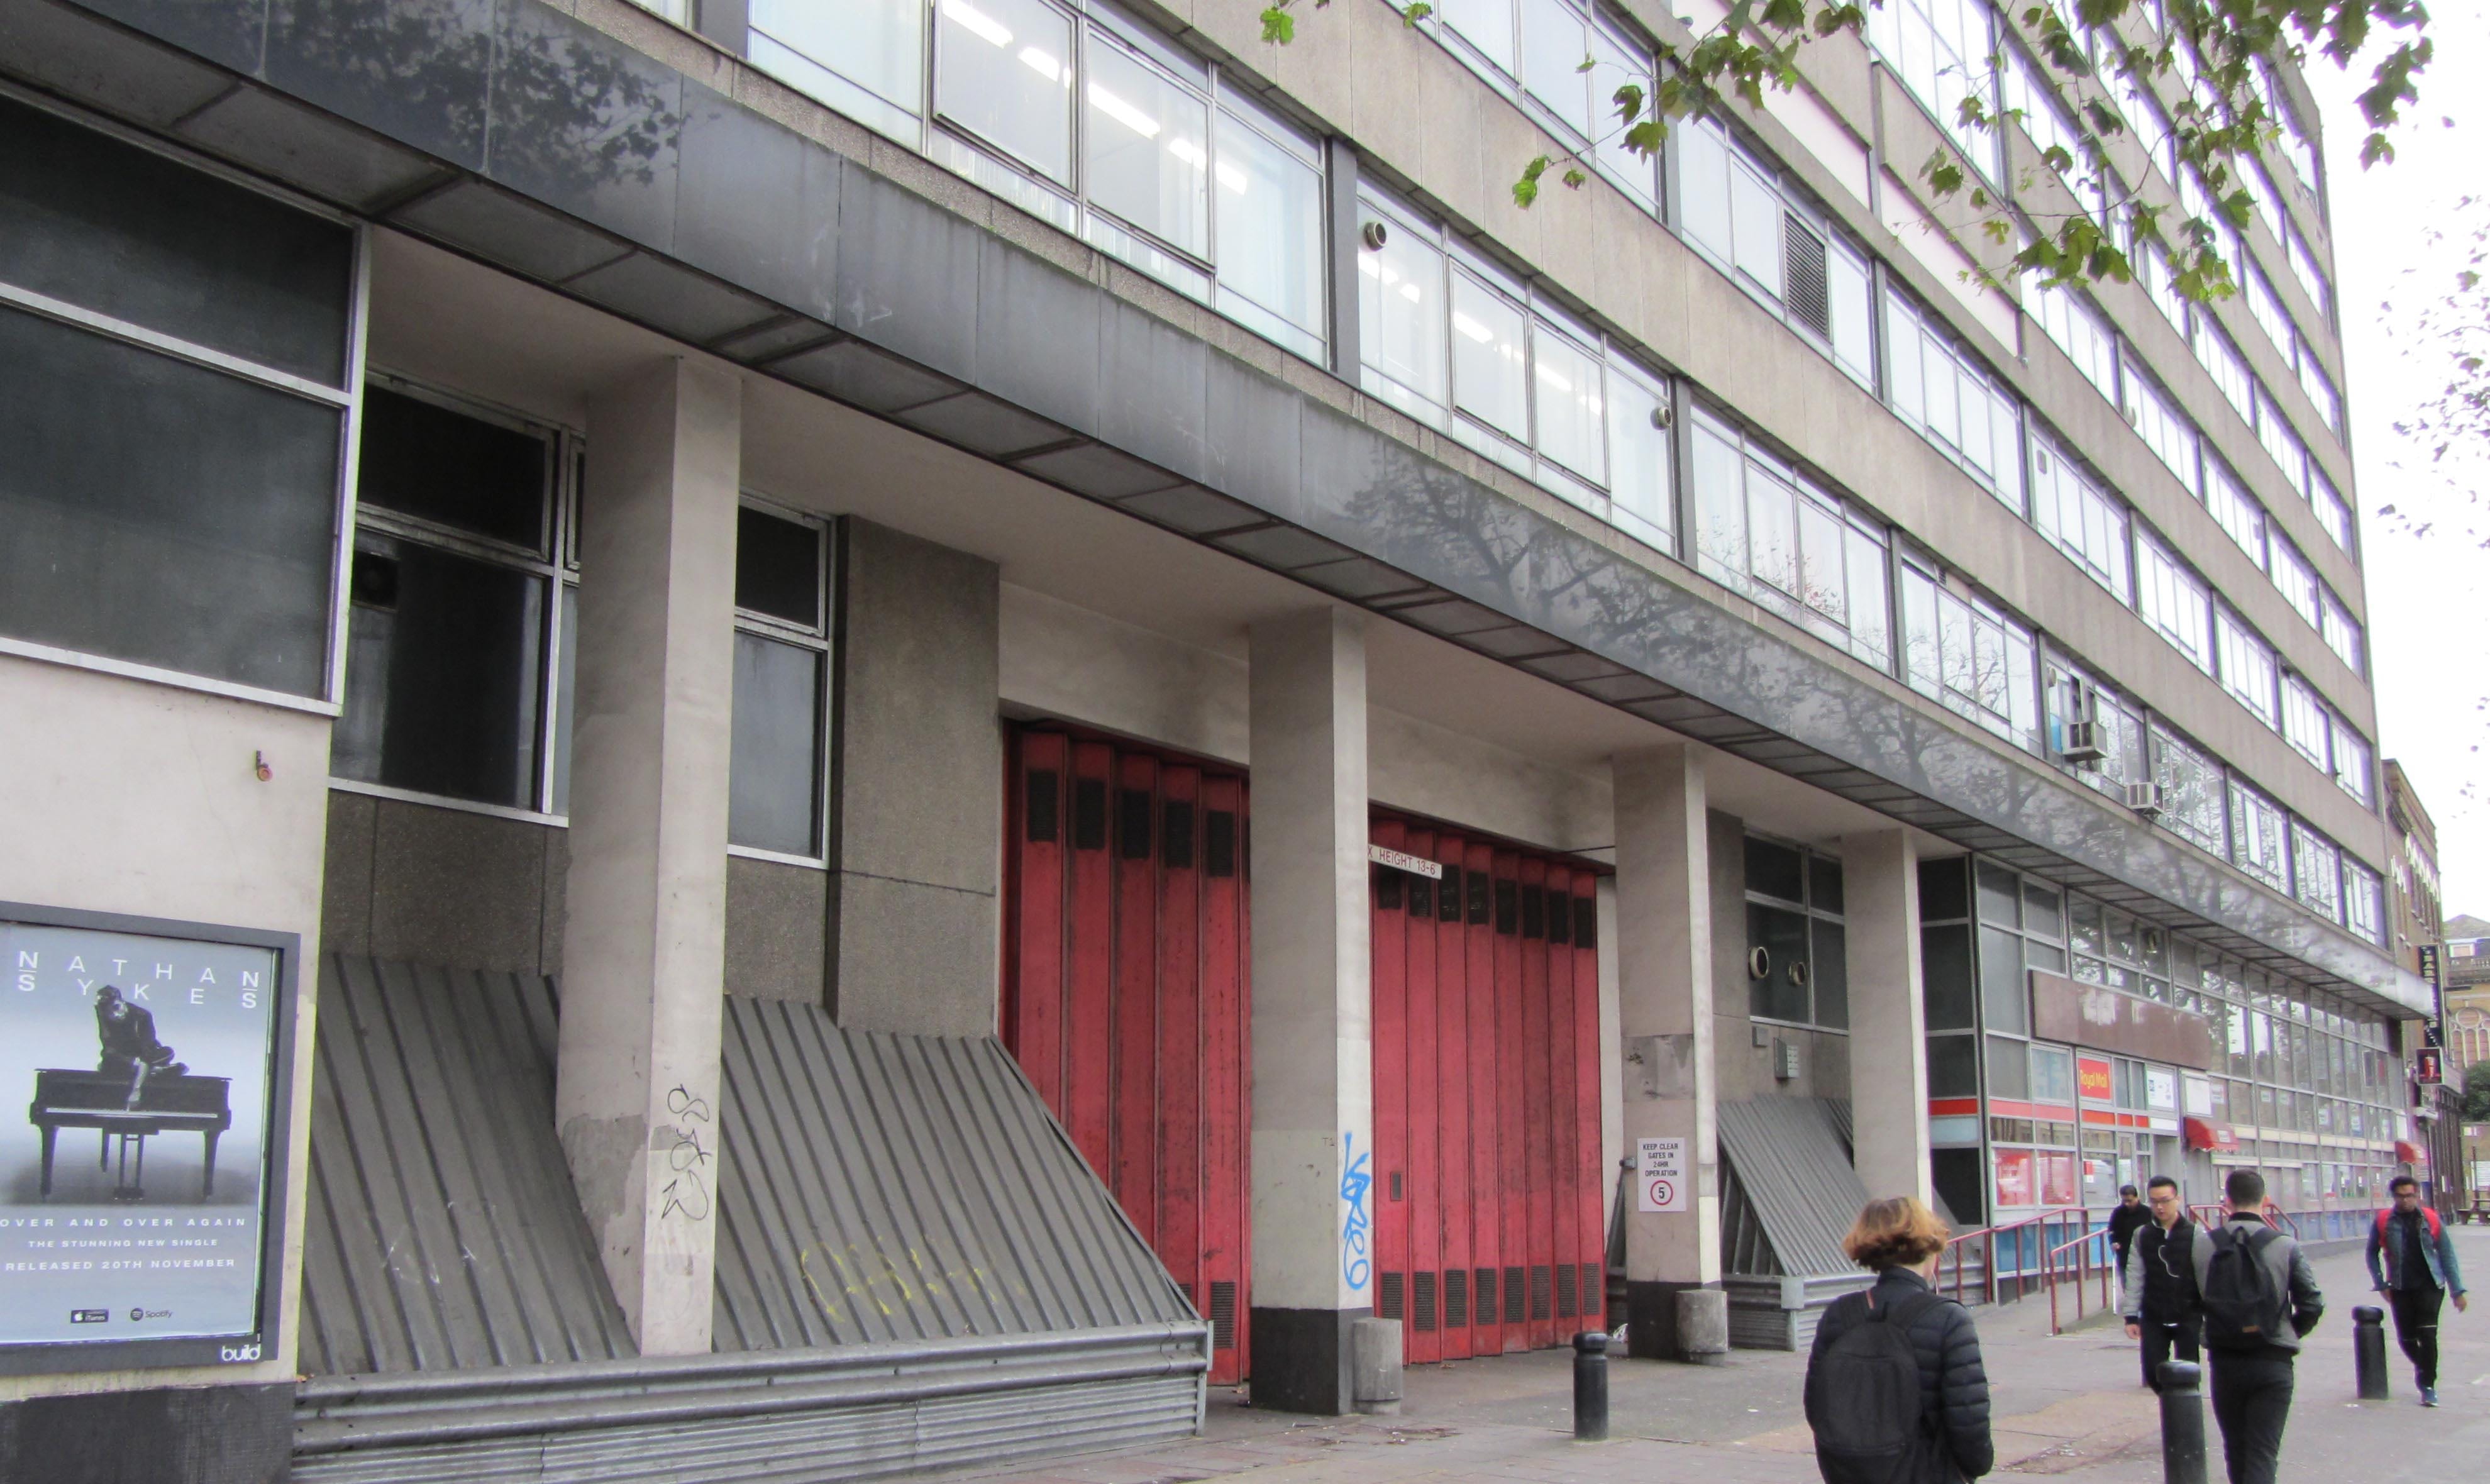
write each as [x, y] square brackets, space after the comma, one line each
[1489, 1237]
[1125, 994]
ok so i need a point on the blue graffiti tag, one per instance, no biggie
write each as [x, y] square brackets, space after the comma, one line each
[1354, 1184]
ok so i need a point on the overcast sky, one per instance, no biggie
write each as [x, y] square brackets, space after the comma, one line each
[2430, 600]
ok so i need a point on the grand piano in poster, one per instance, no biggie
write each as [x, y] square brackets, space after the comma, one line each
[103, 1102]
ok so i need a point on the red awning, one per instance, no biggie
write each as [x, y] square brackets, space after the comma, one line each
[2407, 1152]
[2206, 1134]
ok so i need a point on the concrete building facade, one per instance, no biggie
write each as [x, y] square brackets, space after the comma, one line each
[1030, 688]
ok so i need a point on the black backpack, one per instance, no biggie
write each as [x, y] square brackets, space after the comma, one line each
[2243, 1308]
[1871, 1416]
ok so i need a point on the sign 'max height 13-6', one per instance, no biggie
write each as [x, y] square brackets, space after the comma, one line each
[141, 1191]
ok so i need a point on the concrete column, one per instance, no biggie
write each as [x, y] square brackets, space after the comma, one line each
[1664, 1013]
[1889, 1069]
[1313, 1094]
[644, 941]
[917, 823]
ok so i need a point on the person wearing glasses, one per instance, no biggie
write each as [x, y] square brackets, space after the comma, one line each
[2159, 1295]
[2412, 1264]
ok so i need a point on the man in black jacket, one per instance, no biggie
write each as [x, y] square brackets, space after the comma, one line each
[2159, 1291]
[2252, 1378]
[2130, 1216]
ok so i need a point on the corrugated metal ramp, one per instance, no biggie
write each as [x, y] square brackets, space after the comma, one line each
[914, 1267]
[1790, 1161]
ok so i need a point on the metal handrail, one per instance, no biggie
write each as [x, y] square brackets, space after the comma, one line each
[2215, 1214]
[2081, 1248]
[1987, 1236]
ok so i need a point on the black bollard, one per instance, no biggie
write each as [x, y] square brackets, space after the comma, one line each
[2182, 1424]
[1590, 1386]
[2369, 1352]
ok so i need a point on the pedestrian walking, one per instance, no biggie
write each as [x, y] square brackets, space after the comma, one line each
[2130, 1216]
[2412, 1264]
[2158, 1294]
[2258, 1297]
[1895, 1390]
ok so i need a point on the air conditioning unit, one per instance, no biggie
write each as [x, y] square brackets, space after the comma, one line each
[2083, 742]
[2144, 797]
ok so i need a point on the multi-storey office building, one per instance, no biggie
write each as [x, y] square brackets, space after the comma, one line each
[777, 619]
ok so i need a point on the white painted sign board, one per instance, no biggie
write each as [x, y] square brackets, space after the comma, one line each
[1401, 862]
[1660, 1177]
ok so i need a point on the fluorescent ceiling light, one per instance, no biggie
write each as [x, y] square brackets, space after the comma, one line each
[1122, 112]
[978, 24]
[1472, 327]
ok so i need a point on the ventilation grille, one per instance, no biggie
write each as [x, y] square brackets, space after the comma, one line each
[1387, 888]
[1223, 1315]
[1513, 1295]
[1538, 1291]
[1422, 897]
[1456, 1297]
[1508, 907]
[1594, 1292]
[1040, 807]
[1448, 898]
[1803, 289]
[1387, 1299]
[1586, 922]
[1219, 843]
[1565, 1289]
[1089, 814]
[1478, 889]
[1487, 1296]
[1423, 1314]
[1132, 823]
[1534, 912]
[1175, 837]
[1560, 917]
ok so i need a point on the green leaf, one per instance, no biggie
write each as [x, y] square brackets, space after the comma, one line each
[1278, 27]
[1418, 10]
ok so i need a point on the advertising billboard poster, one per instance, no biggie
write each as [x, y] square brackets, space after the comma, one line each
[141, 1189]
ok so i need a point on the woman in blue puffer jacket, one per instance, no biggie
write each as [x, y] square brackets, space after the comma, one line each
[1898, 1239]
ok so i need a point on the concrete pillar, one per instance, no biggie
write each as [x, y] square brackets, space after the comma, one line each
[1314, 1095]
[1665, 976]
[1889, 1069]
[917, 818]
[644, 944]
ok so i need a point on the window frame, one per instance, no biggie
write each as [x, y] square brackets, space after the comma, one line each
[819, 638]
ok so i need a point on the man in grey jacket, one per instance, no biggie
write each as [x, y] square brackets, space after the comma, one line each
[2252, 1354]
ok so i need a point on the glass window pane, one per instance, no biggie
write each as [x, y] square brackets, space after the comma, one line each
[778, 567]
[1824, 883]
[1997, 895]
[163, 513]
[1823, 582]
[2003, 998]
[876, 45]
[129, 233]
[1147, 147]
[1485, 25]
[1569, 411]
[1703, 186]
[419, 458]
[1758, 209]
[1954, 1070]
[444, 659]
[1553, 45]
[773, 801]
[1270, 225]
[1944, 977]
[1831, 975]
[1004, 72]
[1400, 306]
[1771, 529]
[1847, 286]
[1719, 507]
[1488, 355]
[566, 689]
[2009, 1069]
[1773, 870]
[1782, 993]
[1615, 67]
[1639, 493]
[1870, 626]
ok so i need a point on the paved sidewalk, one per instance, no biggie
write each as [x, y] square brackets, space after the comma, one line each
[2067, 1406]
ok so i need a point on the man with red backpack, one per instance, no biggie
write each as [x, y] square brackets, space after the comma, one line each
[2412, 1264]
[2258, 1297]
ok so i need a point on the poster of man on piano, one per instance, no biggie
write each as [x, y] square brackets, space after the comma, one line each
[130, 1190]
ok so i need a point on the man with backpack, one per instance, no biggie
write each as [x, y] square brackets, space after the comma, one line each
[1896, 1389]
[2160, 1291]
[2412, 1264]
[2258, 1297]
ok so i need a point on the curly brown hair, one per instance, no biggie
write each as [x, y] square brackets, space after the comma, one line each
[1896, 1232]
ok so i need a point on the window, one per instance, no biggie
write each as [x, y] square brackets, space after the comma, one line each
[1736, 209]
[2305, 723]
[2086, 523]
[2213, 351]
[2118, 730]
[2331, 512]
[2352, 763]
[2364, 909]
[2153, 268]
[1795, 935]
[1402, 315]
[2265, 306]
[2258, 836]
[2303, 266]
[2174, 601]
[2289, 454]
[2319, 388]
[781, 658]
[2164, 429]
[1940, 51]
[1766, 531]
[2234, 509]
[2316, 872]
[2191, 790]
[160, 510]
[448, 639]
[1087, 119]
[1940, 388]
[2342, 632]
[2077, 329]
[2297, 579]
[1642, 501]
[2027, 92]
[2247, 665]
[1968, 655]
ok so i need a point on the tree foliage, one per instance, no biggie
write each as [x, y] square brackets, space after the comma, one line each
[2204, 64]
[2476, 1092]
